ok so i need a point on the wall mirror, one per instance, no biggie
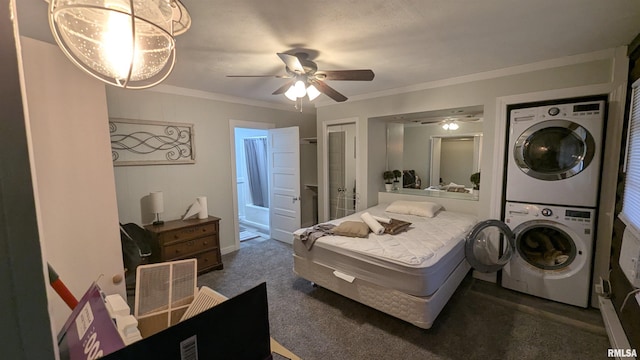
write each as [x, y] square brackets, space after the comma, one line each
[454, 158]
[436, 148]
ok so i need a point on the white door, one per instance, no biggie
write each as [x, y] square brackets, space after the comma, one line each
[284, 182]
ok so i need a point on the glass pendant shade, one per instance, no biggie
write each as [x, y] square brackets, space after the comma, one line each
[125, 43]
[312, 92]
[291, 93]
[300, 88]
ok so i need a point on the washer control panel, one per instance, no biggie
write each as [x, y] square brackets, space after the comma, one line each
[574, 110]
[577, 215]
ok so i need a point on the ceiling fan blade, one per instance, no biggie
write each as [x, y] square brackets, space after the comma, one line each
[359, 75]
[329, 91]
[292, 62]
[282, 89]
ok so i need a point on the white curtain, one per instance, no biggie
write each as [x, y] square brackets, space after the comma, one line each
[256, 154]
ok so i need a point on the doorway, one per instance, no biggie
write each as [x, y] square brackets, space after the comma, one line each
[252, 183]
[341, 150]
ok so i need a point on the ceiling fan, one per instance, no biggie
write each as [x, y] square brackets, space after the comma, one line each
[306, 79]
[450, 122]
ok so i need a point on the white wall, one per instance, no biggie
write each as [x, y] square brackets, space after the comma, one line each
[210, 176]
[73, 175]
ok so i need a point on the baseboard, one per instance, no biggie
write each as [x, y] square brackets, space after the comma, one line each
[617, 336]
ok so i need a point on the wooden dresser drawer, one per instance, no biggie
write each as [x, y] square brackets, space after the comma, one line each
[209, 259]
[188, 233]
[184, 248]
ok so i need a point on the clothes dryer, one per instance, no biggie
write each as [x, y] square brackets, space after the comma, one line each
[554, 154]
[542, 250]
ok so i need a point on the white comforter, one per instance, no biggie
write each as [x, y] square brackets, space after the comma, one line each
[422, 245]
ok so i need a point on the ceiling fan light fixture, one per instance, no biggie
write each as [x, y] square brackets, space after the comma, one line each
[450, 125]
[124, 43]
[312, 92]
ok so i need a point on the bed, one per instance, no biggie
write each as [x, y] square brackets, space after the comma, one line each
[410, 275]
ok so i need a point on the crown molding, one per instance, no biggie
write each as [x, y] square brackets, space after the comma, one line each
[176, 90]
[492, 74]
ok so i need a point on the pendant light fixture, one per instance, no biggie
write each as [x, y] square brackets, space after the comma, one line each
[125, 43]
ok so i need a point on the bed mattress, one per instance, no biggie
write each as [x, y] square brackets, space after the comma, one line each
[416, 262]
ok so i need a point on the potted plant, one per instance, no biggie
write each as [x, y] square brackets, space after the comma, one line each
[388, 180]
[397, 174]
[475, 179]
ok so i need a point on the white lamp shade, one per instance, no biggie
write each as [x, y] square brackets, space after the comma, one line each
[291, 93]
[312, 92]
[156, 202]
[301, 89]
[125, 43]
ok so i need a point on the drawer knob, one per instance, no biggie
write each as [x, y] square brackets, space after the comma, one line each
[205, 242]
[177, 251]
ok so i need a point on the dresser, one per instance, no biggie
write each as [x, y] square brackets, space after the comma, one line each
[187, 239]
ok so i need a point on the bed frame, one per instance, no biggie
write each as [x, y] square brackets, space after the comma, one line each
[419, 311]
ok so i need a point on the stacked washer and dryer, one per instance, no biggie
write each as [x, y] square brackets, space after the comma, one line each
[551, 195]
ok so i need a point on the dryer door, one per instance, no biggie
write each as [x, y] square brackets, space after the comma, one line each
[554, 150]
[489, 246]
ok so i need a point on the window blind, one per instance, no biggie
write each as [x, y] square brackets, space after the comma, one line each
[630, 214]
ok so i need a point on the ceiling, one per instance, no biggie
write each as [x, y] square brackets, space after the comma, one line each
[405, 42]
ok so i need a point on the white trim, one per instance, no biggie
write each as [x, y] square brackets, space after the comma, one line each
[233, 124]
[325, 162]
[491, 74]
[175, 90]
[617, 337]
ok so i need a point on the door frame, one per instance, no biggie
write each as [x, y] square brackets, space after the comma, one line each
[325, 161]
[233, 124]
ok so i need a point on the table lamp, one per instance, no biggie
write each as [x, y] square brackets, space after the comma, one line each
[157, 206]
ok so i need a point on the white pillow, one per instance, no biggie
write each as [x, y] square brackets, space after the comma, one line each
[418, 208]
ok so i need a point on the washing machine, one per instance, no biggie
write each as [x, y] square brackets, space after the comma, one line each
[554, 154]
[542, 250]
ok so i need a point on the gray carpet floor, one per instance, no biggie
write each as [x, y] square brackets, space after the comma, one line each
[481, 321]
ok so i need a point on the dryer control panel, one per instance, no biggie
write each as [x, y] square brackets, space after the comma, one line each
[580, 220]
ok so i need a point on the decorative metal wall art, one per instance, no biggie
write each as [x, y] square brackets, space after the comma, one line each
[139, 142]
